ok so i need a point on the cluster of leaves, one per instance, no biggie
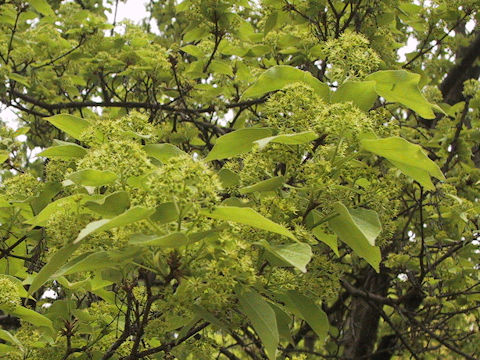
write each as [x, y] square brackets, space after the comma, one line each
[247, 184]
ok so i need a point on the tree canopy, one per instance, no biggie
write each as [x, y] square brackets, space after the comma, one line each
[249, 180]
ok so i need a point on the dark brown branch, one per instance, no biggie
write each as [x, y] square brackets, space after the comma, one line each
[128, 104]
[452, 85]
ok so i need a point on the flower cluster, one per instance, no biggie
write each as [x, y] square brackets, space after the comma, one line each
[350, 57]
[20, 187]
[188, 183]
[126, 158]
[9, 296]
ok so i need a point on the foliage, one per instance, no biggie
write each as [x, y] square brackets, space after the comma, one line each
[255, 180]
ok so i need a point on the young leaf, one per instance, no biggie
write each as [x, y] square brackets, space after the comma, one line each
[358, 228]
[228, 178]
[263, 319]
[41, 218]
[288, 139]
[33, 318]
[57, 260]
[110, 205]
[4, 156]
[297, 255]
[162, 152]
[236, 143]
[165, 213]
[402, 86]
[265, 185]
[86, 262]
[130, 216]
[328, 239]
[92, 177]
[306, 309]
[409, 158]
[42, 7]
[8, 337]
[247, 216]
[173, 240]
[283, 322]
[361, 93]
[72, 125]
[64, 152]
[279, 76]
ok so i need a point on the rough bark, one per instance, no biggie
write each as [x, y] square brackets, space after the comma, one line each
[452, 85]
[361, 335]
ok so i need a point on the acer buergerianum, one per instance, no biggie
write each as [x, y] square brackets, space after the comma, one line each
[255, 180]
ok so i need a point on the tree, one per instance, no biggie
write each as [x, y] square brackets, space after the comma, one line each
[256, 180]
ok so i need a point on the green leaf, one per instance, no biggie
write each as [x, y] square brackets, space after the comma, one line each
[409, 158]
[236, 143]
[72, 125]
[7, 349]
[197, 236]
[247, 216]
[64, 152]
[162, 152]
[283, 322]
[265, 185]
[165, 213]
[328, 239]
[279, 76]
[207, 316]
[8, 337]
[92, 177]
[297, 255]
[173, 240]
[130, 216]
[193, 50]
[228, 178]
[271, 22]
[110, 205]
[4, 156]
[86, 262]
[306, 309]
[402, 86]
[288, 139]
[47, 193]
[221, 67]
[360, 93]
[263, 319]
[358, 228]
[33, 318]
[21, 289]
[56, 261]
[44, 215]
[42, 7]
[4, 202]
[20, 79]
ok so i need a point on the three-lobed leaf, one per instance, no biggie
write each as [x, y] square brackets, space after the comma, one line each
[236, 143]
[297, 255]
[401, 86]
[279, 76]
[409, 158]
[92, 177]
[358, 228]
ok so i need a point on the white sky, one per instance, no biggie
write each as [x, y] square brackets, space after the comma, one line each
[131, 9]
